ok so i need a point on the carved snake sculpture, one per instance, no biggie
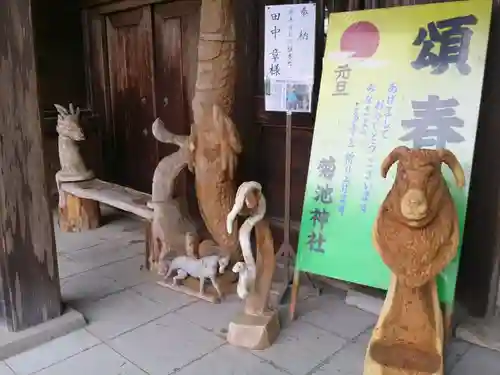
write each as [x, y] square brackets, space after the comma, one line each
[246, 270]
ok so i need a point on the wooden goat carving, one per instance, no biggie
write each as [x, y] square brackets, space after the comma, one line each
[417, 234]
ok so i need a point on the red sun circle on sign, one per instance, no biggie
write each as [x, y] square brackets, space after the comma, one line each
[362, 38]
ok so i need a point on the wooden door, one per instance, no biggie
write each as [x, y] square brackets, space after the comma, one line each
[130, 54]
[176, 27]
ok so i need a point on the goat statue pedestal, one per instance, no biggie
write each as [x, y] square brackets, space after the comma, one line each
[258, 326]
[416, 233]
[408, 338]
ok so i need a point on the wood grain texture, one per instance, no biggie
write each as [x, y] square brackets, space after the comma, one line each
[117, 196]
[28, 260]
[176, 35]
[371, 367]
[416, 233]
[79, 214]
[215, 138]
[130, 63]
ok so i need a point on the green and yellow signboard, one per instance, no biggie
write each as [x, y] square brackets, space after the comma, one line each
[400, 76]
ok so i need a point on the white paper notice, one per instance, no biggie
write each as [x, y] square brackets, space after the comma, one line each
[289, 57]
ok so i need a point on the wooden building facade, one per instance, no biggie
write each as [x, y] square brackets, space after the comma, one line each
[126, 62]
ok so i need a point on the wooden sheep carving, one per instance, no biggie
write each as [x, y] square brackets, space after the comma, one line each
[416, 233]
[203, 268]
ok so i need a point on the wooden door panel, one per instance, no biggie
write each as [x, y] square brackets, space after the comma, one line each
[190, 35]
[176, 43]
[129, 35]
[169, 78]
[178, 9]
[272, 161]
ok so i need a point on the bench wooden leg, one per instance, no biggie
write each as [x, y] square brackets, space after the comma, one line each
[79, 214]
[149, 244]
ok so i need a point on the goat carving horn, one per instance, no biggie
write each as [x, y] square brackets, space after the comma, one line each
[392, 158]
[452, 162]
[62, 111]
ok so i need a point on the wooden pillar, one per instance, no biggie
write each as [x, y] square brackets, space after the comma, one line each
[28, 258]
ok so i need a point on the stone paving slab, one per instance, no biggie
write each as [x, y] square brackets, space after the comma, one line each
[12, 343]
[138, 328]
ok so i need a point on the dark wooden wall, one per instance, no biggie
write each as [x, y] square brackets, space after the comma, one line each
[478, 276]
[62, 79]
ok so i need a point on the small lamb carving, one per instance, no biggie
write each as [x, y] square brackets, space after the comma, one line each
[72, 166]
[202, 269]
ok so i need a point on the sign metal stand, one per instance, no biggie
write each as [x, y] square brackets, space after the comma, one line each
[288, 88]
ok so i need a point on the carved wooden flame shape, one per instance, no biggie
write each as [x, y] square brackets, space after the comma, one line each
[246, 270]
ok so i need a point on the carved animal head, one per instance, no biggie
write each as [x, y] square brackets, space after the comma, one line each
[239, 267]
[192, 243]
[223, 263]
[419, 187]
[220, 141]
[242, 289]
[249, 194]
[68, 122]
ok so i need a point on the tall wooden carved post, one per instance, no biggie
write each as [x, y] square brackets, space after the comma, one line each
[28, 259]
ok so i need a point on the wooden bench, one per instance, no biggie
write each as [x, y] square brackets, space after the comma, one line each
[82, 212]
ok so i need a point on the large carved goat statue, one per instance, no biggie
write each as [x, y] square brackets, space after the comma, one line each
[417, 235]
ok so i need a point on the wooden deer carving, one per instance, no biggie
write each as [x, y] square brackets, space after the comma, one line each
[70, 132]
[417, 234]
